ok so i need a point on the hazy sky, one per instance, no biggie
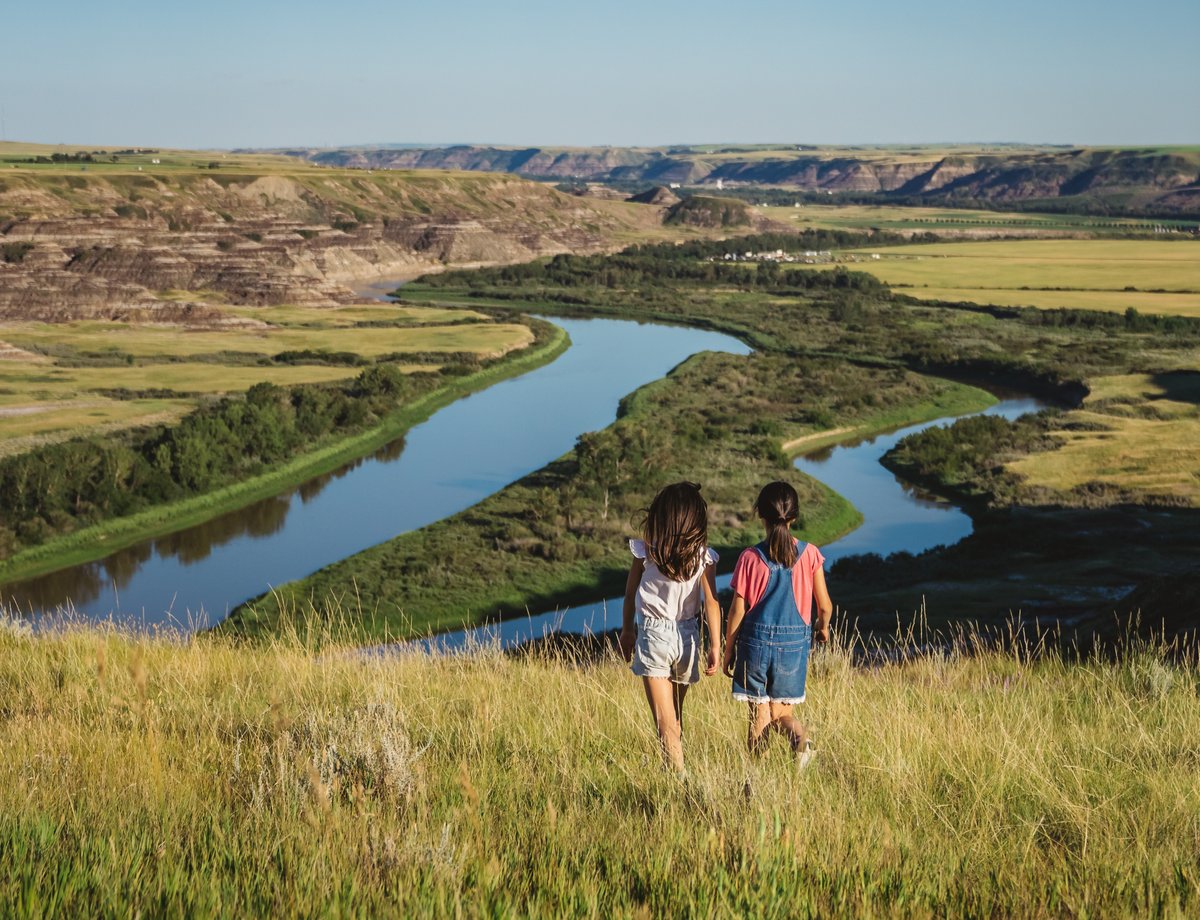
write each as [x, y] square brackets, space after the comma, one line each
[218, 73]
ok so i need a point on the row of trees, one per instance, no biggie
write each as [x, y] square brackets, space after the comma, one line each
[668, 265]
[60, 487]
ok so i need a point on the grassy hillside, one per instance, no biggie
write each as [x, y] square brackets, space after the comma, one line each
[1138, 433]
[703, 211]
[156, 778]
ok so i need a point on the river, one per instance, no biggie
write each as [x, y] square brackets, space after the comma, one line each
[467, 451]
[472, 448]
[896, 516]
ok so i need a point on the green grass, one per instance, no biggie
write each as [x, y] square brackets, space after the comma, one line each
[207, 778]
[98, 541]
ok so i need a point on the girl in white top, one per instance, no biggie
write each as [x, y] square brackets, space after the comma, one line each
[672, 576]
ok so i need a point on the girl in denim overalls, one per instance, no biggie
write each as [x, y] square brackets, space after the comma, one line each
[770, 622]
[671, 582]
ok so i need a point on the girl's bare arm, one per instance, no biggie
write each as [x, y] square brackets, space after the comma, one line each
[628, 627]
[737, 612]
[824, 607]
[712, 617]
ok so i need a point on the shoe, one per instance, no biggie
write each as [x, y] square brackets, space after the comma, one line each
[804, 757]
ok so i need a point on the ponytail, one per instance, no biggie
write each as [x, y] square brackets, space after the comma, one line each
[780, 545]
[778, 505]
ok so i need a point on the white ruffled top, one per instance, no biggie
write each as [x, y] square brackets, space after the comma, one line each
[660, 596]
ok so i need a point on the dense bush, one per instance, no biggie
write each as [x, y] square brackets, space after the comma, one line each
[968, 456]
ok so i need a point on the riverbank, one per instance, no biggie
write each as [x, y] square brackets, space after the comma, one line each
[98, 541]
[557, 536]
[216, 778]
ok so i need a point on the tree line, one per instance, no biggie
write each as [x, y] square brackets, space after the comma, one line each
[60, 487]
[698, 261]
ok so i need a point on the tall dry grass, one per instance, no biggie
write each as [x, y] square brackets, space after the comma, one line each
[200, 777]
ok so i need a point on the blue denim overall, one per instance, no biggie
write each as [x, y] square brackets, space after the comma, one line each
[771, 648]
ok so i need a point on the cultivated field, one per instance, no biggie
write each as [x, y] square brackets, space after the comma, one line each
[212, 779]
[89, 377]
[1153, 276]
[964, 221]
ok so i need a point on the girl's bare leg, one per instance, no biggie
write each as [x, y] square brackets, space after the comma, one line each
[666, 705]
[789, 726]
[680, 692]
[760, 724]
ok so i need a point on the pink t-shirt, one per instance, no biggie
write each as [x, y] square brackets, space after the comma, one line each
[751, 575]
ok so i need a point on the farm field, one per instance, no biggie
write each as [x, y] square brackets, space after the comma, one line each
[111, 339]
[1111, 275]
[82, 378]
[1109, 301]
[960, 220]
[15, 155]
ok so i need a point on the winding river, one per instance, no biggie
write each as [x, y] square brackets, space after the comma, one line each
[472, 448]
[896, 516]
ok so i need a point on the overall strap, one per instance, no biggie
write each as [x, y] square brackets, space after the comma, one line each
[763, 551]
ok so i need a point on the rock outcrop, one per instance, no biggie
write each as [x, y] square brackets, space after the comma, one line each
[656, 195]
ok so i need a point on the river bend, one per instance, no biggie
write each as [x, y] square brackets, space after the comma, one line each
[896, 516]
[462, 454]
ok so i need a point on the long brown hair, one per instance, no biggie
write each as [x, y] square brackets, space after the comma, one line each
[676, 530]
[778, 505]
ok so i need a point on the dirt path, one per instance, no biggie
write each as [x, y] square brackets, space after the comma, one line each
[789, 447]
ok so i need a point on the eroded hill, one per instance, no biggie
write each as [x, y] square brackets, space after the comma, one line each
[167, 244]
[1146, 180]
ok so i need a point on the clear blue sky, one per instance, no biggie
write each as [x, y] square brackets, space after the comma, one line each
[217, 73]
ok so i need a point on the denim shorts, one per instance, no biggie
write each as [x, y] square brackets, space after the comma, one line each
[668, 648]
[770, 663]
